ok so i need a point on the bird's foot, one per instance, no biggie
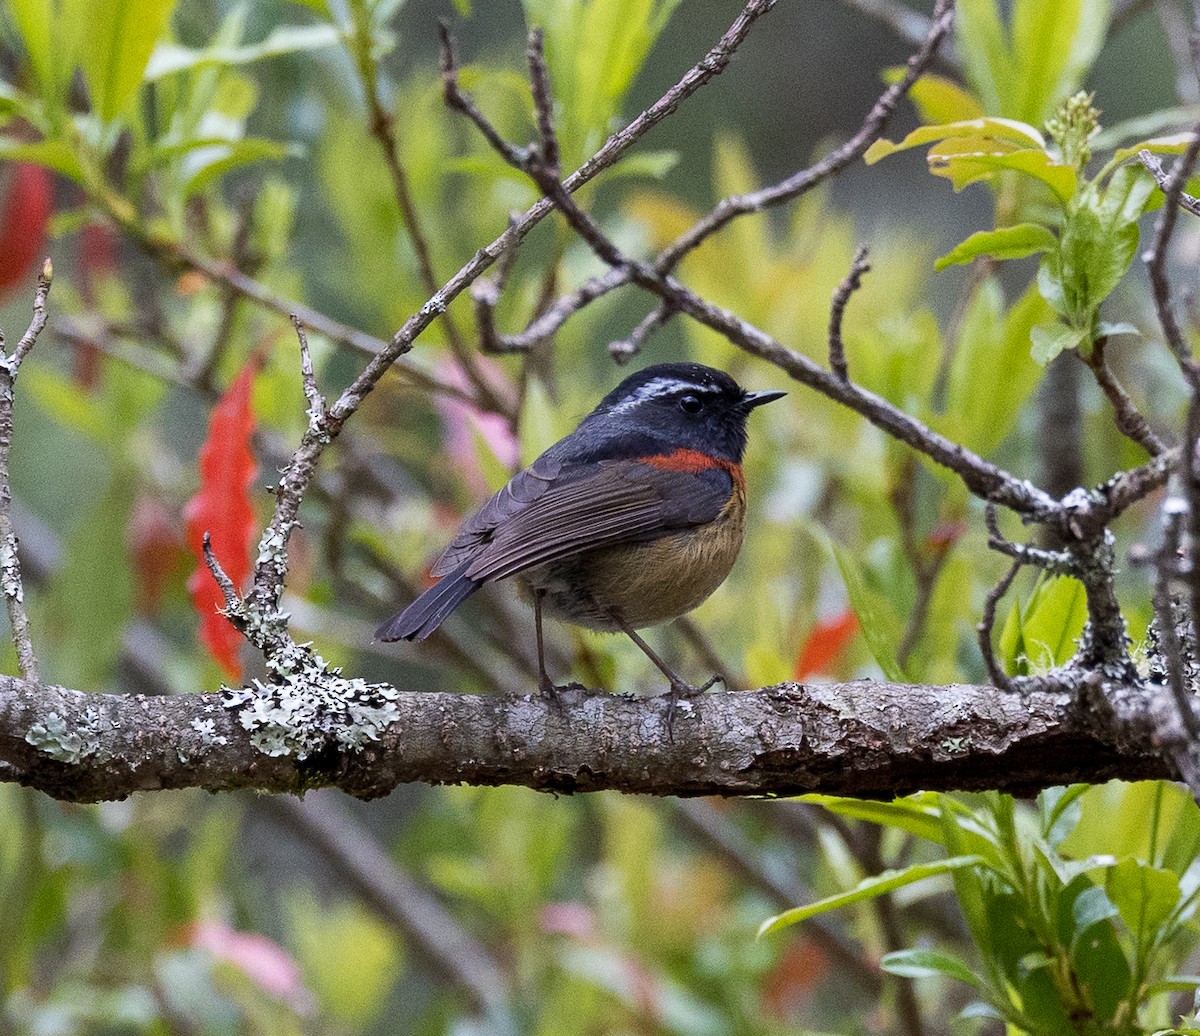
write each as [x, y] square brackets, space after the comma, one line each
[551, 691]
[684, 692]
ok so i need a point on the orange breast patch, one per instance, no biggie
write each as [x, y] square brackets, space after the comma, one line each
[693, 462]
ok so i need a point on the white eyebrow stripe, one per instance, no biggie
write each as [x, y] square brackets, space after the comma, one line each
[658, 388]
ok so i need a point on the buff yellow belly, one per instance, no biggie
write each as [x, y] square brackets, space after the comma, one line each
[647, 583]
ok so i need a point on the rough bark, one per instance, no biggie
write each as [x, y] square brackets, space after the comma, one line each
[862, 738]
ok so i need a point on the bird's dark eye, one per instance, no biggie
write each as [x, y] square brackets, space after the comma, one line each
[690, 405]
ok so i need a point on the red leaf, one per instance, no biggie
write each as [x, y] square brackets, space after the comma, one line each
[221, 507]
[24, 213]
[825, 642]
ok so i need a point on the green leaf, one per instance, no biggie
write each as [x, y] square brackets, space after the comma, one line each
[981, 411]
[938, 99]
[1017, 242]
[1053, 45]
[869, 888]
[1060, 809]
[1051, 339]
[985, 134]
[1085, 915]
[171, 58]
[1090, 907]
[962, 162]
[1144, 895]
[1175, 984]
[918, 815]
[1172, 144]
[52, 153]
[213, 162]
[880, 626]
[1043, 633]
[987, 60]
[319, 7]
[918, 963]
[121, 35]
[1054, 620]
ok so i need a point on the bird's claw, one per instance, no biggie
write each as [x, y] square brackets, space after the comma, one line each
[681, 691]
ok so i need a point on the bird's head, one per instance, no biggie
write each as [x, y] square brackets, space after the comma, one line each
[688, 405]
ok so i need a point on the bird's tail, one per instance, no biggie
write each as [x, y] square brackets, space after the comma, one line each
[431, 609]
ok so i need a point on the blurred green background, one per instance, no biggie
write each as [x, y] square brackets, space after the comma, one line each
[191, 913]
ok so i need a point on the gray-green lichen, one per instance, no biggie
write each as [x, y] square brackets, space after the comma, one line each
[69, 744]
[309, 706]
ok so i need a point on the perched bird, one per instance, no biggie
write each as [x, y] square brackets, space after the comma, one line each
[633, 519]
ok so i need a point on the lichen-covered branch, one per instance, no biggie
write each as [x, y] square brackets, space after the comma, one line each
[862, 738]
[11, 584]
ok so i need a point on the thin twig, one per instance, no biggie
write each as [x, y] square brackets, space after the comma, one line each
[735, 206]
[543, 103]
[1130, 421]
[461, 102]
[1027, 554]
[383, 129]
[1156, 257]
[850, 284]
[627, 348]
[241, 259]
[486, 294]
[988, 620]
[233, 603]
[316, 401]
[1166, 566]
[10, 563]
[803, 181]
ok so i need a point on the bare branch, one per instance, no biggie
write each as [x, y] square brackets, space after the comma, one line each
[233, 603]
[865, 738]
[1166, 565]
[316, 401]
[543, 104]
[626, 349]
[1130, 421]
[850, 284]
[734, 206]
[996, 672]
[10, 564]
[1156, 257]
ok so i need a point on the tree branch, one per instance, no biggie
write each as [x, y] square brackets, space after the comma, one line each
[10, 564]
[863, 738]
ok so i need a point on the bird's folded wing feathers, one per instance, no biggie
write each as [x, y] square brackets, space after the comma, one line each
[524, 488]
[605, 504]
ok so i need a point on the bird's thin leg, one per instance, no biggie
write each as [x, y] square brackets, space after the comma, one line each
[545, 684]
[679, 687]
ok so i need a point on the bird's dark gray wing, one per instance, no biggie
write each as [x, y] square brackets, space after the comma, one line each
[602, 504]
[523, 489]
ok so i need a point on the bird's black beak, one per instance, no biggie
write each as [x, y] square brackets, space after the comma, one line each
[752, 399]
